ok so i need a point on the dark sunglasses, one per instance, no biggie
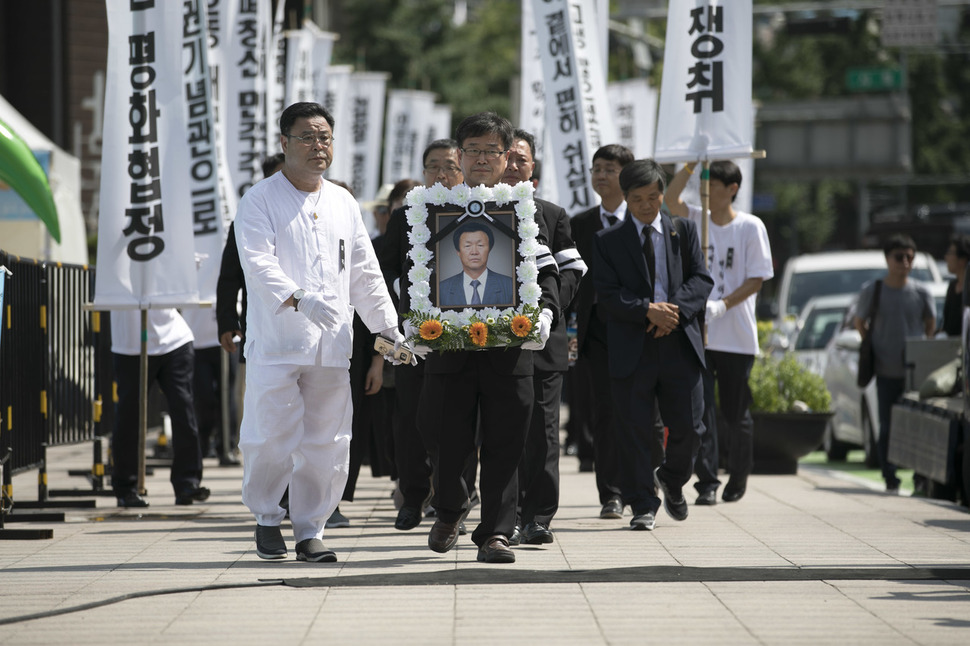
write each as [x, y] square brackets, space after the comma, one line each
[899, 256]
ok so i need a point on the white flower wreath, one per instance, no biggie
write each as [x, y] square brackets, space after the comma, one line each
[453, 329]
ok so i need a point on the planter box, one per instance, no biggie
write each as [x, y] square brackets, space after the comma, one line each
[780, 439]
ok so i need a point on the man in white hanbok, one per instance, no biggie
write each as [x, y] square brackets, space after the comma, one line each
[308, 264]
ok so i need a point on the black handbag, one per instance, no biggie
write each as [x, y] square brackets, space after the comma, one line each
[867, 355]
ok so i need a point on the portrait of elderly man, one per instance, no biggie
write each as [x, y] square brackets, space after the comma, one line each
[476, 284]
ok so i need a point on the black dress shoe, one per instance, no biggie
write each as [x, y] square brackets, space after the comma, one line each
[707, 498]
[516, 536]
[496, 549]
[443, 536]
[733, 494]
[131, 499]
[612, 509]
[408, 518]
[674, 501]
[189, 496]
[537, 534]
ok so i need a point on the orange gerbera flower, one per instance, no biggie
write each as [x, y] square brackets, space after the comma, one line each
[478, 333]
[430, 330]
[521, 325]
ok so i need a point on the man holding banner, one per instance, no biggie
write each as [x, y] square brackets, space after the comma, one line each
[308, 264]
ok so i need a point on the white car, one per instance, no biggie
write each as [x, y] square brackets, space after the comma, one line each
[856, 419]
[821, 318]
[839, 272]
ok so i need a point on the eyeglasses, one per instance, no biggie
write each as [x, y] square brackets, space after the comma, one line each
[489, 154]
[309, 140]
[900, 257]
[435, 170]
[606, 171]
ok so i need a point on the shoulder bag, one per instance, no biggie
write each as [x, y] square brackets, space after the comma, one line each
[867, 355]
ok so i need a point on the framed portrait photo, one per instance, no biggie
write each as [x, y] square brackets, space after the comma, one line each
[473, 283]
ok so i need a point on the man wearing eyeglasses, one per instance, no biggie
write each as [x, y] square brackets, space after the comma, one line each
[904, 310]
[490, 388]
[308, 264]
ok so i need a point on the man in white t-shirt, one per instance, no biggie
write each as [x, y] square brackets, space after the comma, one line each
[739, 259]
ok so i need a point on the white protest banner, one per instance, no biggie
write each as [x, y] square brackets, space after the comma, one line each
[634, 104]
[532, 104]
[299, 79]
[337, 103]
[576, 102]
[320, 58]
[440, 126]
[240, 94]
[705, 95]
[361, 138]
[145, 226]
[408, 112]
[275, 80]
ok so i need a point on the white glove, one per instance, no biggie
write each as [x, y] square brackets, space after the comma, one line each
[715, 310]
[543, 328]
[315, 308]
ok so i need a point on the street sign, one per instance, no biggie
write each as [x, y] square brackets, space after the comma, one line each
[874, 79]
[909, 23]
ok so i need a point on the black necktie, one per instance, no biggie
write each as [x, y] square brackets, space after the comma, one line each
[648, 253]
[611, 219]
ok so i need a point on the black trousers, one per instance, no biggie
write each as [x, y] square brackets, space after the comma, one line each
[174, 373]
[730, 371]
[208, 399]
[539, 469]
[410, 455]
[668, 375]
[593, 401]
[451, 404]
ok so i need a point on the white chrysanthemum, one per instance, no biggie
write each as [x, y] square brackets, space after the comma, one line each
[461, 194]
[421, 255]
[526, 210]
[438, 194]
[420, 288]
[490, 320]
[502, 193]
[417, 214]
[508, 313]
[527, 272]
[434, 312]
[418, 273]
[523, 191]
[489, 313]
[529, 293]
[417, 195]
[420, 303]
[465, 317]
[481, 193]
[529, 248]
[451, 316]
[419, 234]
[528, 229]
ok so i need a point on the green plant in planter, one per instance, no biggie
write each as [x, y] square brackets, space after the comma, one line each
[777, 384]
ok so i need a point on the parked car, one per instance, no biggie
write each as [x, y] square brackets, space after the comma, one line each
[856, 420]
[821, 318]
[839, 272]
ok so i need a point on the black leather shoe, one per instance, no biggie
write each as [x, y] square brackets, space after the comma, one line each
[132, 499]
[496, 549]
[674, 501]
[734, 490]
[408, 518]
[707, 498]
[516, 536]
[612, 509]
[189, 496]
[443, 536]
[537, 534]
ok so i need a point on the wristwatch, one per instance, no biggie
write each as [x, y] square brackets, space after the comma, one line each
[297, 296]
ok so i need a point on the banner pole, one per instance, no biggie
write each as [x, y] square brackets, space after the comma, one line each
[224, 395]
[705, 191]
[142, 401]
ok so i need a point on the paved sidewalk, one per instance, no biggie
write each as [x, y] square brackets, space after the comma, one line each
[801, 559]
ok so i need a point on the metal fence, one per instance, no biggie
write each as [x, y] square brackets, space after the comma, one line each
[55, 365]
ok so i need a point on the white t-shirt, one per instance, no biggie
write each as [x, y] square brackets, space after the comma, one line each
[166, 331]
[738, 251]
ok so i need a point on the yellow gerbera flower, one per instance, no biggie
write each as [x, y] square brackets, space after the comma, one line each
[521, 326]
[478, 333]
[430, 329]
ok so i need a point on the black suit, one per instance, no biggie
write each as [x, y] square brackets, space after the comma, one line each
[646, 370]
[539, 470]
[492, 388]
[591, 399]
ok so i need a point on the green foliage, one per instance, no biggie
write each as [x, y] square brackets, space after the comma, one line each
[777, 384]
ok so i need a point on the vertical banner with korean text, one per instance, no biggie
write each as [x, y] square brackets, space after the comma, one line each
[408, 112]
[532, 103]
[361, 140]
[634, 104]
[146, 223]
[299, 77]
[337, 103]
[240, 95]
[322, 54]
[275, 80]
[438, 128]
[705, 94]
[577, 112]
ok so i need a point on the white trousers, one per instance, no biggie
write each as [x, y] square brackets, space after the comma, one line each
[295, 431]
